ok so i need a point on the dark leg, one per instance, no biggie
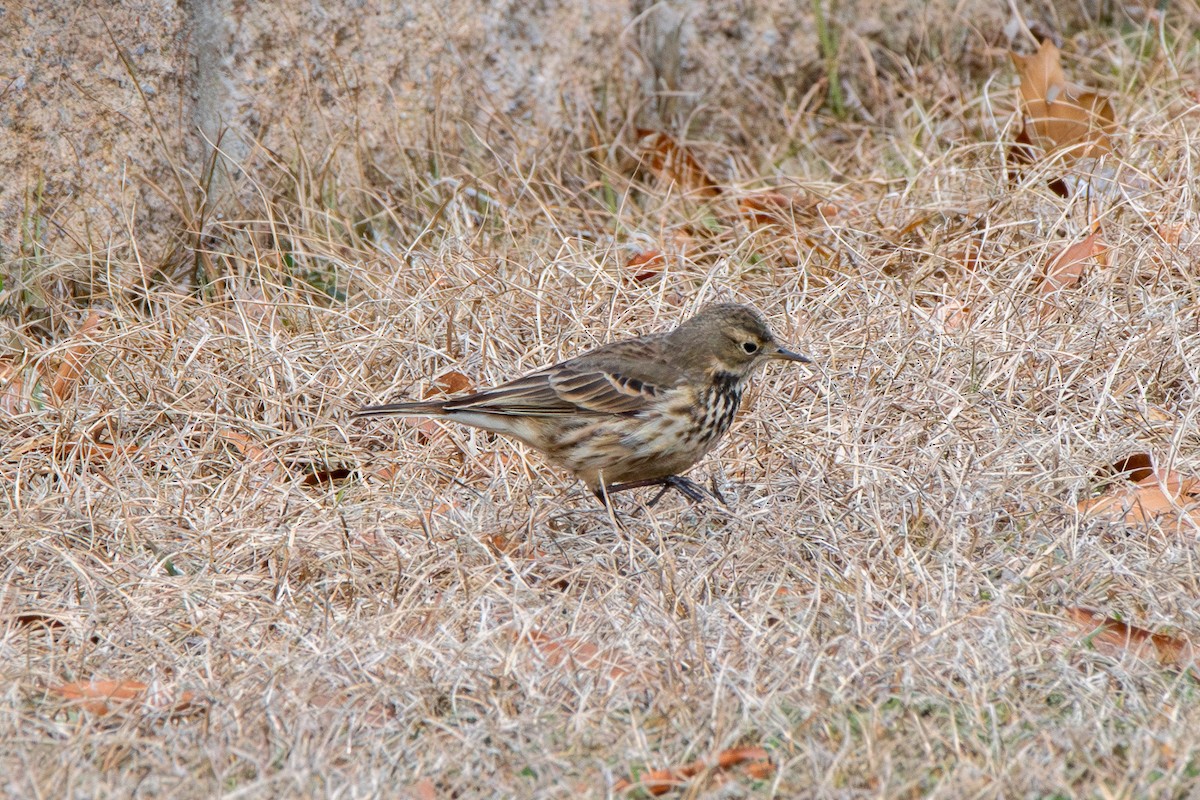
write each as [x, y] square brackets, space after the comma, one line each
[689, 489]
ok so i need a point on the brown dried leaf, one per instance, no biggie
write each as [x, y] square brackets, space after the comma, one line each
[776, 208]
[578, 653]
[251, 450]
[1116, 637]
[37, 619]
[327, 476]
[1022, 153]
[1061, 119]
[673, 164]
[1135, 467]
[1161, 497]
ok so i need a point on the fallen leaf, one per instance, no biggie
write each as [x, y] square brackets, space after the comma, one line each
[21, 388]
[1115, 637]
[98, 696]
[243, 444]
[71, 368]
[426, 515]
[1065, 269]
[84, 450]
[953, 315]
[373, 715]
[327, 476]
[646, 265]
[673, 164]
[1061, 118]
[572, 652]
[422, 789]
[1170, 233]
[1134, 467]
[37, 619]
[1155, 497]
[1022, 153]
[661, 781]
[776, 208]
[968, 257]
[451, 382]
[94, 696]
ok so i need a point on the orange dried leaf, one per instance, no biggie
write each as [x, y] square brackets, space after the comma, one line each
[94, 696]
[1170, 233]
[374, 715]
[739, 755]
[1042, 76]
[423, 789]
[1114, 636]
[71, 368]
[646, 265]
[1065, 269]
[250, 449]
[1173, 483]
[20, 389]
[427, 514]
[243, 444]
[654, 782]
[661, 781]
[451, 382]
[953, 315]
[1141, 505]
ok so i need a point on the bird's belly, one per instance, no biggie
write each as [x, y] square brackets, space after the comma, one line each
[635, 448]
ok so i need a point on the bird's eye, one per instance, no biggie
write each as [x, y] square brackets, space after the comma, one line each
[750, 347]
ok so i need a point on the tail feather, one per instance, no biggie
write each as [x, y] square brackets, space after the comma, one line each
[433, 409]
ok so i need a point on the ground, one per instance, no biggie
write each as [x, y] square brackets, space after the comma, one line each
[217, 582]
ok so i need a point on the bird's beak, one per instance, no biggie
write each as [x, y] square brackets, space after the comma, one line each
[788, 355]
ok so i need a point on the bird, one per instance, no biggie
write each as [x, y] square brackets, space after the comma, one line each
[631, 413]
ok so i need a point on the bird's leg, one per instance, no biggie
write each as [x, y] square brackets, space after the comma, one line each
[689, 489]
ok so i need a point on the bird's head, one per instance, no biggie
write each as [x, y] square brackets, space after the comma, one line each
[728, 338]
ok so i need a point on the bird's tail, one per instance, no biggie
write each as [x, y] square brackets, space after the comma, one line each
[430, 409]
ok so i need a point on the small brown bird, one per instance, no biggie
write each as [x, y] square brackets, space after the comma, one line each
[631, 413]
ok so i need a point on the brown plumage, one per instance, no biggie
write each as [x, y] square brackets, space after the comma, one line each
[630, 413]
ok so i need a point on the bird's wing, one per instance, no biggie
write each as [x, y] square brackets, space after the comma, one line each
[619, 378]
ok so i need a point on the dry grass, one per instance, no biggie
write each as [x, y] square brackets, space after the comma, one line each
[882, 606]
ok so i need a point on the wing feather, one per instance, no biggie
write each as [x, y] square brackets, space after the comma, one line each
[616, 379]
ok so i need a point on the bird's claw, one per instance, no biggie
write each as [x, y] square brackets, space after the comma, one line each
[686, 487]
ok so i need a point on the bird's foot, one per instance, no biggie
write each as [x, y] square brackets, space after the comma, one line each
[688, 488]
